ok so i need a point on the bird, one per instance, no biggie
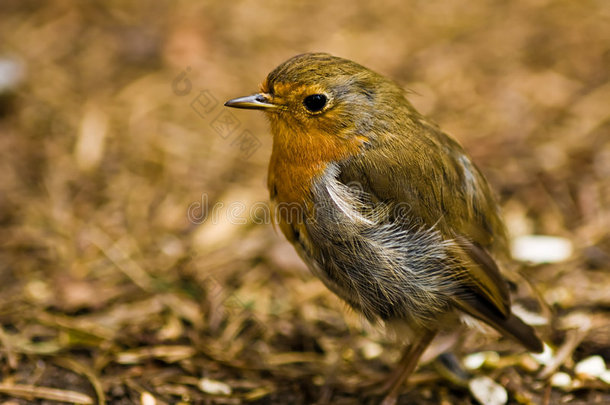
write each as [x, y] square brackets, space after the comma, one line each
[383, 206]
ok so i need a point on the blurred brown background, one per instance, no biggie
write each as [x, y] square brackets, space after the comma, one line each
[131, 270]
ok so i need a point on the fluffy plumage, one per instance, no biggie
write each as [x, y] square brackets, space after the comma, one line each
[386, 209]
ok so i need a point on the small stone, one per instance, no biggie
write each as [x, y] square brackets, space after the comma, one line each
[147, 399]
[487, 391]
[214, 387]
[541, 249]
[561, 380]
[371, 350]
[477, 360]
[474, 361]
[592, 367]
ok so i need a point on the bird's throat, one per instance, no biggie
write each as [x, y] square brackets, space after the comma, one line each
[298, 159]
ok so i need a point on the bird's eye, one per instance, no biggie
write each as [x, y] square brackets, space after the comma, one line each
[315, 102]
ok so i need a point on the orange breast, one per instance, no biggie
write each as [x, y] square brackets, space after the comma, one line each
[296, 162]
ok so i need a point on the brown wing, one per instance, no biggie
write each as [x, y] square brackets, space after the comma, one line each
[441, 187]
[483, 277]
[488, 285]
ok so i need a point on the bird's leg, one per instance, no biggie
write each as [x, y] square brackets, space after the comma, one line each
[405, 366]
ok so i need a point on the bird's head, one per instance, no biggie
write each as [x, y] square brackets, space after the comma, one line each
[316, 93]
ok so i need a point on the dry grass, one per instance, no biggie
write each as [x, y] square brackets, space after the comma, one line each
[122, 284]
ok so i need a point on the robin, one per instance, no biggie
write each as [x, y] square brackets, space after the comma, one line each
[385, 208]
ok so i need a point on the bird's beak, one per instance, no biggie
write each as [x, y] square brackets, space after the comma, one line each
[260, 101]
